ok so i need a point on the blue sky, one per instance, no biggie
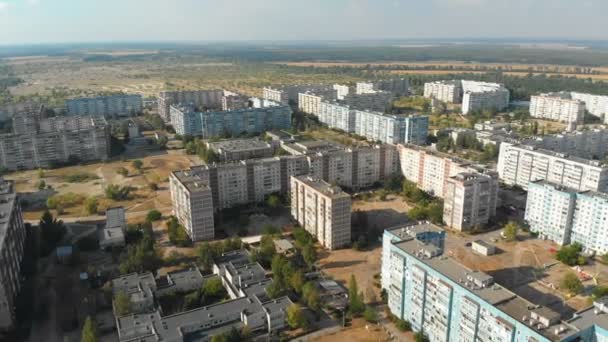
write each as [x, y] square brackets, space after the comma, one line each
[43, 21]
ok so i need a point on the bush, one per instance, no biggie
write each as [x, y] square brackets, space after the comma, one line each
[403, 325]
[91, 205]
[570, 255]
[370, 315]
[122, 171]
[571, 283]
[154, 215]
[64, 201]
[80, 177]
[117, 192]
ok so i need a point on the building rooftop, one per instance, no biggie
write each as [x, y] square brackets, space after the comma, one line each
[192, 180]
[575, 159]
[323, 187]
[115, 218]
[239, 145]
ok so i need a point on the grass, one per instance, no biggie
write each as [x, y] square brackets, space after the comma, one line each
[80, 177]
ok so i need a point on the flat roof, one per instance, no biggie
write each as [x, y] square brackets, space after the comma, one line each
[237, 145]
[322, 186]
[115, 217]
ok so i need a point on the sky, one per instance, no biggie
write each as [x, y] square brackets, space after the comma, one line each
[58, 21]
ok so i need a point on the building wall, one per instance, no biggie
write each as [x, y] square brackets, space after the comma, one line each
[551, 107]
[590, 222]
[337, 116]
[445, 91]
[470, 200]
[203, 99]
[193, 209]
[115, 105]
[595, 104]
[549, 211]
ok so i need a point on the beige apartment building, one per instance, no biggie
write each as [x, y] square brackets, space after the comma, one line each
[558, 107]
[12, 241]
[470, 200]
[323, 210]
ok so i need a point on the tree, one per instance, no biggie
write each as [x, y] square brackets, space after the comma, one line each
[154, 215]
[355, 300]
[274, 290]
[40, 173]
[310, 294]
[137, 165]
[403, 325]
[309, 254]
[420, 337]
[571, 283]
[177, 233]
[273, 201]
[570, 255]
[205, 255]
[122, 171]
[153, 186]
[295, 317]
[122, 304]
[370, 315]
[117, 192]
[91, 205]
[510, 231]
[89, 331]
[214, 289]
[51, 232]
[296, 281]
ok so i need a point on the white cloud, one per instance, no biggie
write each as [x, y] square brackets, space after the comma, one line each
[3, 6]
[32, 2]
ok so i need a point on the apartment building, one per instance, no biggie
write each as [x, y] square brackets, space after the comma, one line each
[51, 142]
[481, 96]
[192, 201]
[588, 143]
[450, 302]
[336, 115]
[249, 305]
[565, 215]
[520, 164]
[470, 200]
[310, 103]
[472, 94]
[341, 91]
[263, 116]
[445, 91]
[12, 241]
[7, 111]
[594, 104]
[263, 178]
[379, 101]
[392, 129]
[558, 107]
[396, 87]
[200, 99]
[322, 209]
[108, 106]
[234, 101]
[241, 149]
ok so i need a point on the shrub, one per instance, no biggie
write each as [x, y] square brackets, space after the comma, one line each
[117, 192]
[154, 215]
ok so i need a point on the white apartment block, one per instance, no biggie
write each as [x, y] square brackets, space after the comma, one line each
[445, 91]
[276, 95]
[365, 88]
[51, 142]
[557, 107]
[336, 115]
[565, 215]
[549, 211]
[470, 200]
[595, 104]
[482, 95]
[310, 103]
[392, 129]
[520, 164]
[192, 202]
[378, 101]
[201, 99]
[241, 149]
[234, 101]
[12, 241]
[341, 91]
[110, 106]
[323, 210]
[396, 87]
[264, 178]
[588, 144]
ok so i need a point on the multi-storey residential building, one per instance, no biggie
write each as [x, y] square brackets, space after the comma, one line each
[594, 104]
[470, 200]
[520, 164]
[263, 116]
[263, 178]
[449, 302]
[588, 143]
[310, 103]
[241, 149]
[392, 129]
[445, 91]
[378, 101]
[473, 95]
[397, 87]
[290, 94]
[558, 107]
[7, 111]
[109, 106]
[192, 201]
[50, 142]
[482, 95]
[565, 215]
[337, 115]
[341, 91]
[323, 210]
[12, 241]
[200, 99]
[234, 101]
[249, 305]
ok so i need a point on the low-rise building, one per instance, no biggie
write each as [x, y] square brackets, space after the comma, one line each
[113, 234]
[241, 149]
[323, 210]
[483, 248]
[12, 244]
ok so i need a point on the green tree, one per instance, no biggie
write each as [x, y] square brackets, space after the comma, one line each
[117, 192]
[122, 171]
[137, 165]
[40, 173]
[571, 283]
[355, 305]
[296, 281]
[89, 331]
[370, 315]
[154, 215]
[295, 317]
[122, 304]
[309, 254]
[273, 201]
[420, 337]
[213, 289]
[41, 184]
[571, 255]
[91, 205]
[510, 231]
[310, 294]
[205, 255]
[274, 290]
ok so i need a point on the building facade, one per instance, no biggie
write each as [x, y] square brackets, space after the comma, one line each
[520, 164]
[192, 201]
[109, 106]
[12, 243]
[470, 200]
[558, 107]
[473, 95]
[445, 91]
[594, 104]
[263, 116]
[449, 302]
[323, 210]
[565, 215]
[392, 129]
[200, 99]
[51, 142]
[337, 115]
[396, 87]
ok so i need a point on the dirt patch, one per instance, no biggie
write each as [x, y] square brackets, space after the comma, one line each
[359, 331]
